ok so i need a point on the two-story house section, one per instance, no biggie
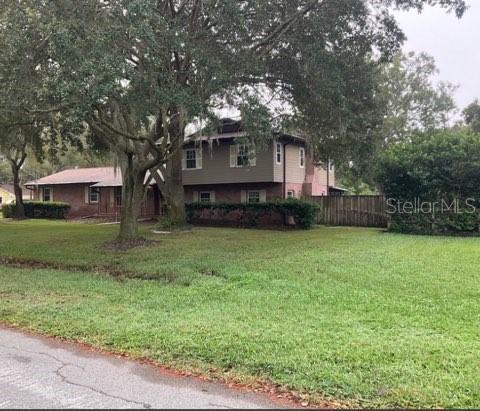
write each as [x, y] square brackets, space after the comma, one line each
[219, 169]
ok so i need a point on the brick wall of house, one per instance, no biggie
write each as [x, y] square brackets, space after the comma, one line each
[73, 194]
[232, 193]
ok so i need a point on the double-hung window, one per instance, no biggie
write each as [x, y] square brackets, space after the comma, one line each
[46, 194]
[278, 153]
[205, 197]
[253, 197]
[302, 157]
[242, 155]
[192, 159]
[93, 195]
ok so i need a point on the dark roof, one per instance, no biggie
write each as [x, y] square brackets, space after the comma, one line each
[230, 129]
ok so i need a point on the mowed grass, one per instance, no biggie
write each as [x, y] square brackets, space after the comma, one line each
[355, 315]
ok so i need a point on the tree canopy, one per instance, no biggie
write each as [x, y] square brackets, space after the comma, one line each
[472, 116]
[135, 73]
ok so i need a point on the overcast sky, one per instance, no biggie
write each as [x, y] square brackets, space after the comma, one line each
[454, 43]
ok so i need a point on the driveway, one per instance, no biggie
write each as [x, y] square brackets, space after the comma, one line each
[37, 372]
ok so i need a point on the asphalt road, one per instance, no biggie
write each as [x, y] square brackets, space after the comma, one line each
[37, 372]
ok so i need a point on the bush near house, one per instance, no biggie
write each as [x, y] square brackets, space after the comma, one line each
[276, 213]
[38, 209]
[432, 171]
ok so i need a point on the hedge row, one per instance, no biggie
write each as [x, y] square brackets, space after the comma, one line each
[38, 209]
[301, 213]
[440, 223]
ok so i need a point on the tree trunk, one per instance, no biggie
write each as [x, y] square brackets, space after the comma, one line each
[19, 213]
[132, 194]
[176, 196]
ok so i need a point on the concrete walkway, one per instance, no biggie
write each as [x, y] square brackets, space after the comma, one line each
[37, 372]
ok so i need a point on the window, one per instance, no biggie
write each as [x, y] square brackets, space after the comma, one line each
[253, 197]
[93, 195]
[204, 197]
[302, 157]
[117, 193]
[278, 153]
[242, 155]
[191, 159]
[290, 194]
[46, 194]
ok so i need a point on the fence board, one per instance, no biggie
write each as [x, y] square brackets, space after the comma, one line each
[360, 211]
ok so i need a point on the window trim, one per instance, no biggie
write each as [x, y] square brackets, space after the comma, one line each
[187, 150]
[292, 192]
[278, 153]
[92, 190]
[251, 192]
[50, 194]
[245, 156]
[301, 157]
[209, 197]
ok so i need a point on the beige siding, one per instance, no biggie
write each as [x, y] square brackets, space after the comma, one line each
[6, 197]
[295, 173]
[216, 167]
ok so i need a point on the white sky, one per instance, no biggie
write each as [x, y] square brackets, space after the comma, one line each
[454, 43]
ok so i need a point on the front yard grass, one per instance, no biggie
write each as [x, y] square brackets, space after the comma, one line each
[356, 315]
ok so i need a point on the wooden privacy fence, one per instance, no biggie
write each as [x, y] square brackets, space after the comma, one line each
[360, 211]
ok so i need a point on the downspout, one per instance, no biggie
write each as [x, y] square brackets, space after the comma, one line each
[328, 177]
[285, 170]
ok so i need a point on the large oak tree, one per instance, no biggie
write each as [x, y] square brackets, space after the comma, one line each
[137, 72]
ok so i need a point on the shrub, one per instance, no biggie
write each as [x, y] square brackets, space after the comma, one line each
[38, 209]
[256, 214]
[439, 223]
[440, 167]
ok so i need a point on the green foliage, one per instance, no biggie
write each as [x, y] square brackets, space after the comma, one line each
[411, 99]
[169, 223]
[432, 166]
[472, 116]
[249, 215]
[38, 209]
[436, 223]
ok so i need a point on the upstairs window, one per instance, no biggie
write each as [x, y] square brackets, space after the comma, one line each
[302, 157]
[242, 156]
[278, 153]
[47, 194]
[192, 159]
[191, 156]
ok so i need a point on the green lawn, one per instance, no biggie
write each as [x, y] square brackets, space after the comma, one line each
[356, 315]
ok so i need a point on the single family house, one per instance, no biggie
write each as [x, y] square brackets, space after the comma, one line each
[216, 168]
